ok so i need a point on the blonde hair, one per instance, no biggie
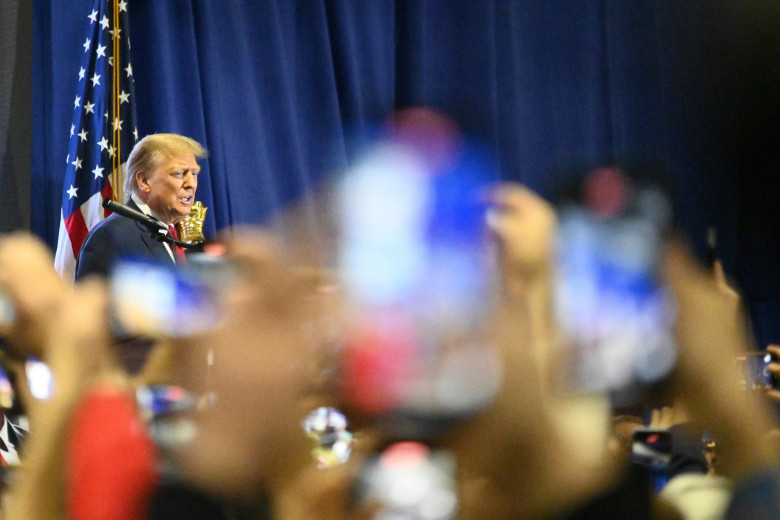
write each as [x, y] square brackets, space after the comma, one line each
[147, 153]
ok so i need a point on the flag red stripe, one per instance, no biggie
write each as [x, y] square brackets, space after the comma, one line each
[77, 230]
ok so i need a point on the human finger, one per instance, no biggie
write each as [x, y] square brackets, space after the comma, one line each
[32, 289]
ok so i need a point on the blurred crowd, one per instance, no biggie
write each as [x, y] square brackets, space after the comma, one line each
[303, 401]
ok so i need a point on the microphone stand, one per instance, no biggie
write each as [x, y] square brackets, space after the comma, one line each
[165, 238]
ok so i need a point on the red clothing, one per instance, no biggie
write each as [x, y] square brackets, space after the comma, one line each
[110, 459]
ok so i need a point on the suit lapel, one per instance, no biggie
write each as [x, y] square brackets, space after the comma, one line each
[156, 247]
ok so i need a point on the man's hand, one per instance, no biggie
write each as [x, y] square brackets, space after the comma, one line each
[33, 289]
[68, 329]
[711, 332]
[524, 227]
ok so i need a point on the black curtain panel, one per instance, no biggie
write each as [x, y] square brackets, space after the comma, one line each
[15, 113]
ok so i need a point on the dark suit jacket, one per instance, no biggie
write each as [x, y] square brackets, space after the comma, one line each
[118, 237]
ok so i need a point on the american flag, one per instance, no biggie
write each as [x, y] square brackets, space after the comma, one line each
[103, 130]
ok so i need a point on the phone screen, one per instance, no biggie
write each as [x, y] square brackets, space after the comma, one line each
[415, 272]
[611, 302]
[753, 372]
[151, 299]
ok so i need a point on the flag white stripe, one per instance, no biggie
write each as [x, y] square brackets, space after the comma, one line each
[64, 261]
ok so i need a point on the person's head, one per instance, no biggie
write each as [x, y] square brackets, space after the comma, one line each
[163, 171]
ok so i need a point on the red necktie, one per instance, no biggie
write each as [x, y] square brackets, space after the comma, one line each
[177, 249]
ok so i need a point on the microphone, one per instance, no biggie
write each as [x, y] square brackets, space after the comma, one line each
[153, 225]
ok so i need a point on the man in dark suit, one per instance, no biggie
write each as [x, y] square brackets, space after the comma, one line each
[162, 177]
[161, 180]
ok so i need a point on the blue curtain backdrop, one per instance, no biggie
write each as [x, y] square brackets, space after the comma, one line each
[273, 88]
[276, 88]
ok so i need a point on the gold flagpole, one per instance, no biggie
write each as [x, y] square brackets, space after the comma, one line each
[116, 159]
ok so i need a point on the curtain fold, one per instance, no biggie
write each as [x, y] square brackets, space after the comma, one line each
[15, 113]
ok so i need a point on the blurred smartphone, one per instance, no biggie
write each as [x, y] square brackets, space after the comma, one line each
[771, 378]
[408, 480]
[611, 302]
[753, 372]
[162, 407]
[150, 299]
[652, 448]
[37, 376]
[414, 268]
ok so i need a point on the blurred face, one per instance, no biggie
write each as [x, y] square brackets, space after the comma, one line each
[169, 188]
